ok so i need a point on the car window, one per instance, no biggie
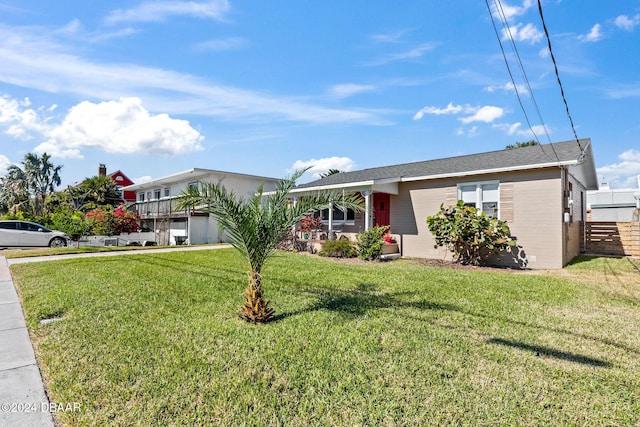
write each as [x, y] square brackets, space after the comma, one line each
[7, 225]
[30, 226]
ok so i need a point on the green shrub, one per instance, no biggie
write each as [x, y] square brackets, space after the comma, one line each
[472, 237]
[341, 248]
[370, 242]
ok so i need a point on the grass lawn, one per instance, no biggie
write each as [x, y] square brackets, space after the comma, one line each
[153, 339]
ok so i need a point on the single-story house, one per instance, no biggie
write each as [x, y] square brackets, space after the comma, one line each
[540, 191]
[157, 206]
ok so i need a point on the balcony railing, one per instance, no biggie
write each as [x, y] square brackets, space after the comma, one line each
[158, 209]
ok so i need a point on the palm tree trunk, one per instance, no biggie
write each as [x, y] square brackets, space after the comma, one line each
[255, 308]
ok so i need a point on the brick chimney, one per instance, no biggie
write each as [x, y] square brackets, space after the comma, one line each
[102, 170]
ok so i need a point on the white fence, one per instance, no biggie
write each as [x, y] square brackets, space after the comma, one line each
[125, 239]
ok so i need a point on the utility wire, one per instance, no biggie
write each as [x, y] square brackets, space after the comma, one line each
[515, 87]
[507, 30]
[553, 59]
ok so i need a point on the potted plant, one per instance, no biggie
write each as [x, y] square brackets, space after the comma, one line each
[308, 224]
[390, 245]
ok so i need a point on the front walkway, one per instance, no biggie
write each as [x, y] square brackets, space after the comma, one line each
[23, 401]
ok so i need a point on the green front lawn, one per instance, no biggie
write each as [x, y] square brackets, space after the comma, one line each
[153, 339]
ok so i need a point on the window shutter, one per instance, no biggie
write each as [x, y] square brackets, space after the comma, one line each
[506, 202]
[451, 196]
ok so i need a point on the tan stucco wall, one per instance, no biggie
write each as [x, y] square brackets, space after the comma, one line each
[536, 219]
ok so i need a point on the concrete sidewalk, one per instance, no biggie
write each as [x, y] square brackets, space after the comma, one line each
[116, 253]
[23, 401]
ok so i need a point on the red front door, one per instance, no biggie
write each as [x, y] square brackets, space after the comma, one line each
[381, 208]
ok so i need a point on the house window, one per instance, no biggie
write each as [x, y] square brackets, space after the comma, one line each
[193, 185]
[167, 192]
[485, 196]
[141, 196]
[346, 216]
[156, 194]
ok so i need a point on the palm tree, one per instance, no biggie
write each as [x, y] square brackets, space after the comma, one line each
[13, 188]
[42, 177]
[330, 172]
[257, 225]
[98, 190]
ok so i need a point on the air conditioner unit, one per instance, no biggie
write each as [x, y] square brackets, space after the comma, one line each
[111, 241]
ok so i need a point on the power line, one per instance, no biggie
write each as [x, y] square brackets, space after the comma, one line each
[503, 19]
[553, 59]
[507, 29]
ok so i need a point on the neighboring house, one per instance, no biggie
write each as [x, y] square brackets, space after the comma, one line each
[540, 191]
[120, 180]
[157, 205]
[607, 205]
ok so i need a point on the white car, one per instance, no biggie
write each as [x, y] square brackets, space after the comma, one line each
[29, 234]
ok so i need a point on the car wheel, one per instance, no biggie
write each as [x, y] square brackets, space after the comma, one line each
[57, 242]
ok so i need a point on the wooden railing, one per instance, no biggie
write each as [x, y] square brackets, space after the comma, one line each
[613, 238]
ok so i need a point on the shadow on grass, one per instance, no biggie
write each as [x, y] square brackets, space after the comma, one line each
[551, 352]
[358, 302]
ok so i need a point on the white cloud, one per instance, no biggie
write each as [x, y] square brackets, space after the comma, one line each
[594, 35]
[627, 23]
[511, 11]
[123, 126]
[624, 173]
[523, 33]
[142, 179]
[320, 166]
[486, 114]
[508, 87]
[155, 11]
[231, 43]
[415, 53]
[18, 120]
[449, 109]
[349, 89]
[516, 129]
[389, 37]
[41, 63]
[4, 164]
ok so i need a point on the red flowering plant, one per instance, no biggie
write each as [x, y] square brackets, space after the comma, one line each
[310, 223]
[112, 222]
[388, 238]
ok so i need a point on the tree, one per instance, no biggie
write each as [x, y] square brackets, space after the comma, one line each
[95, 191]
[38, 176]
[330, 172]
[522, 144]
[257, 225]
[42, 177]
[13, 189]
[111, 222]
[472, 236]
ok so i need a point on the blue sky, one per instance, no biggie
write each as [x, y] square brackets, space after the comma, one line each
[264, 87]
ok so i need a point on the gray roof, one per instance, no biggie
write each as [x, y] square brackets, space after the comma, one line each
[546, 155]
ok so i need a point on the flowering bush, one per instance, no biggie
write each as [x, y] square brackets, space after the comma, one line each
[112, 222]
[472, 236]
